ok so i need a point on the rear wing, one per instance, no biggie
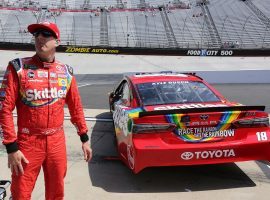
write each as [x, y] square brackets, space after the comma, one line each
[201, 110]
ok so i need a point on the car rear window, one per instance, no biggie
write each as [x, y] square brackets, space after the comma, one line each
[170, 92]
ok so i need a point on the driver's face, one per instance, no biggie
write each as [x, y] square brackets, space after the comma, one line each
[44, 41]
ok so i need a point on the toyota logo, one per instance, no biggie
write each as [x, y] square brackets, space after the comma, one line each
[204, 117]
[187, 155]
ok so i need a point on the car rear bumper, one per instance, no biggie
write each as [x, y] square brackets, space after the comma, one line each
[163, 154]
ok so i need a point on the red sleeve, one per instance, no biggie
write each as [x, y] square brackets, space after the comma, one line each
[73, 101]
[8, 96]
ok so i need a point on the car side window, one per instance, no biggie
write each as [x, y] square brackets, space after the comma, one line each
[125, 97]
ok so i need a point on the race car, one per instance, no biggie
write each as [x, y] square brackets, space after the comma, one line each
[176, 119]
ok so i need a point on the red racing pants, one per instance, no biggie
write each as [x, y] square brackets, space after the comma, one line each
[48, 152]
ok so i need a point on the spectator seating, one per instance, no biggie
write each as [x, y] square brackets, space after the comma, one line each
[160, 25]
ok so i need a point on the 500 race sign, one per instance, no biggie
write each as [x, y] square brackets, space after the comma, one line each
[206, 52]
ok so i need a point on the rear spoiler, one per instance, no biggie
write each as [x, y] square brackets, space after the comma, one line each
[201, 110]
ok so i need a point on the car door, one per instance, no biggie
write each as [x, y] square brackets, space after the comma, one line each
[121, 105]
[122, 121]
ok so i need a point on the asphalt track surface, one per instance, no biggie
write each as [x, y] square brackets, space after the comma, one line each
[94, 91]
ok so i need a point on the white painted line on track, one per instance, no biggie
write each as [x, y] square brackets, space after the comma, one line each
[84, 85]
[92, 119]
[86, 118]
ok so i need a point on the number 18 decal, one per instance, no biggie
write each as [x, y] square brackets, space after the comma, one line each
[262, 136]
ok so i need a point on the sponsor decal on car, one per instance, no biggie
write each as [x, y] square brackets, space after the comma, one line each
[204, 134]
[185, 106]
[161, 74]
[206, 131]
[204, 117]
[210, 154]
[201, 123]
[120, 117]
[170, 82]
[187, 155]
[123, 119]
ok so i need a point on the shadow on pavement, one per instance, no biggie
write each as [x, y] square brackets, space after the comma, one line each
[114, 176]
[264, 166]
[102, 137]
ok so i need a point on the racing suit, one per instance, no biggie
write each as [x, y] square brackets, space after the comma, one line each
[39, 91]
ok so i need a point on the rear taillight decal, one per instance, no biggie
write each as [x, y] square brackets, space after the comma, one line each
[262, 121]
[153, 128]
[227, 118]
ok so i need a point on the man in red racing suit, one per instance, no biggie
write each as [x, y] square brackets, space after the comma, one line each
[39, 87]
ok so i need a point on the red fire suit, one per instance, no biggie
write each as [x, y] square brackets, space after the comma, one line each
[39, 91]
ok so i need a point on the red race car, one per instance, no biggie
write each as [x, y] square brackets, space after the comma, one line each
[173, 119]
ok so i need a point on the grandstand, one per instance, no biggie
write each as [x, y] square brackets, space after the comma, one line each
[185, 24]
